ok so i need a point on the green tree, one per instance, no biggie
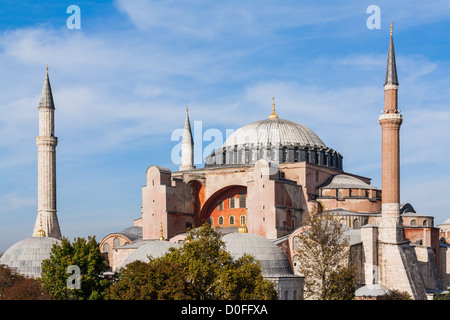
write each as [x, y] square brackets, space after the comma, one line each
[323, 256]
[201, 269]
[14, 286]
[85, 254]
[394, 294]
[157, 279]
[341, 284]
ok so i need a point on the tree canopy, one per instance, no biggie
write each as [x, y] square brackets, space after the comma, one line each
[323, 259]
[201, 269]
[82, 255]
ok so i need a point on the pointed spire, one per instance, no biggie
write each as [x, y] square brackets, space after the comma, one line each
[391, 68]
[273, 115]
[187, 132]
[46, 95]
[187, 146]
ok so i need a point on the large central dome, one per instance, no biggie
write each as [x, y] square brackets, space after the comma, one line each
[274, 131]
[275, 140]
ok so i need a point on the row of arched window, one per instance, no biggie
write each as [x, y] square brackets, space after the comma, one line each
[231, 220]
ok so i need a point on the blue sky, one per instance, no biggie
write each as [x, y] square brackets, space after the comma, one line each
[121, 84]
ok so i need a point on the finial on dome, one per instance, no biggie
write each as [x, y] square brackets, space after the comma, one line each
[161, 238]
[46, 67]
[273, 115]
[187, 108]
[392, 24]
[243, 229]
[40, 232]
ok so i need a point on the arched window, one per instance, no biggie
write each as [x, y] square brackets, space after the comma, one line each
[413, 222]
[425, 223]
[106, 247]
[116, 243]
[231, 220]
[220, 220]
[242, 199]
[242, 220]
[356, 224]
[286, 295]
[232, 202]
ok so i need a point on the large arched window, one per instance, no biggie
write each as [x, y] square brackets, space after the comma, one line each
[116, 242]
[106, 247]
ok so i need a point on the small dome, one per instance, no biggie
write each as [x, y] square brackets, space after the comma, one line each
[343, 181]
[273, 260]
[27, 255]
[154, 248]
[275, 132]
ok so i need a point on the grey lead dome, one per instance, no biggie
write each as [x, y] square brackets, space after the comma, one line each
[275, 132]
[275, 140]
[273, 261]
[27, 255]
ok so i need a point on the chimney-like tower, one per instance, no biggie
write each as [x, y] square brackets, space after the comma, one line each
[187, 146]
[46, 143]
[390, 122]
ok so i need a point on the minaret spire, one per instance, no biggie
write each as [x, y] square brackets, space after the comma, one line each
[187, 145]
[391, 68]
[47, 220]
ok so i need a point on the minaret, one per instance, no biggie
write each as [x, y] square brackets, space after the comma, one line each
[390, 122]
[46, 142]
[396, 259]
[187, 146]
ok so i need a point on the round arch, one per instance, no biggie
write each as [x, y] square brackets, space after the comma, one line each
[222, 203]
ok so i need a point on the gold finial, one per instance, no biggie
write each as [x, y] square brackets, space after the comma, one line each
[161, 238]
[187, 108]
[46, 67]
[243, 229]
[40, 232]
[392, 24]
[273, 115]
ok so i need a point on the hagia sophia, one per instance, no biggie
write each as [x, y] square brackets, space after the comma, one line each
[260, 188]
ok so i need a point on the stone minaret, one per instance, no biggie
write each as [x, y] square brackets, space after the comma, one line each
[390, 122]
[46, 143]
[187, 146]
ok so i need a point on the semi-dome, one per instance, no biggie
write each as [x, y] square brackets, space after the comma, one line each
[27, 255]
[275, 140]
[273, 261]
[153, 248]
